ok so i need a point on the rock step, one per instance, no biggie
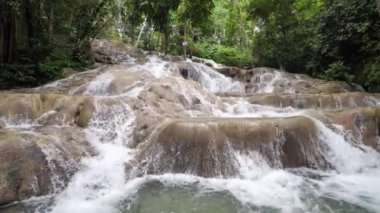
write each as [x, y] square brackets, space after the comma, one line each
[46, 109]
[302, 101]
[40, 162]
[42, 141]
[269, 80]
[208, 146]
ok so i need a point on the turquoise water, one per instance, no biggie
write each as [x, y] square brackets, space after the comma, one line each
[198, 195]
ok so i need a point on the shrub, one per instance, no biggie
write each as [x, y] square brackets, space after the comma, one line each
[337, 71]
[371, 75]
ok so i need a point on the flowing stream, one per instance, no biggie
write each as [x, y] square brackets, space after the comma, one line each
[103, 185]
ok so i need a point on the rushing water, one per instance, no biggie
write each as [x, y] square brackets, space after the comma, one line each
[101, 184]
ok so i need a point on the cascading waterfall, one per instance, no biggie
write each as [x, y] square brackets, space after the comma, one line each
[112, 179]
[99, 185]
[214, 81]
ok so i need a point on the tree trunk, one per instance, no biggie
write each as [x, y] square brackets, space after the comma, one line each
[71, 17]
[29, 23]
[85, 32]
[51, 22]
[184, 42]
[152, 44]
[141, 31]
[378, 6]
[242, 24]
[96, 33]
[2, 32]
[12, 37]
[7, 34]
[166, 41]
[191, 44]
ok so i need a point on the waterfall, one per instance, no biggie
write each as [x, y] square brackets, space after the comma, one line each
[99, 184]
[174, 135]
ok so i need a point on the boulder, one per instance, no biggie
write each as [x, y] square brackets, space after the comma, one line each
[236, 73]
[114, 52]
[363, 123]
[207, 147]
[39, 162]
[46, 109]
[167, 98]
[123, 81]
[187, 71]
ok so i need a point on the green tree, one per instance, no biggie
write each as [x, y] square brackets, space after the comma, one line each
[193, 15]
[156, 12]
[348, 32]
[91, 17]
[39, 37]
[285, 32]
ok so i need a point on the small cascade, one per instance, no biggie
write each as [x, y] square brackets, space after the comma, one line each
[266, 82]
[151, 133]
[212, 80]
[98, 186]
[99, 85]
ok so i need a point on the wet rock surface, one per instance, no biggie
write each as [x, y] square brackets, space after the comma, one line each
[268, 80]
[46, 109]
[363, 124]
[40, 162]
[308, 101]
[204, 147]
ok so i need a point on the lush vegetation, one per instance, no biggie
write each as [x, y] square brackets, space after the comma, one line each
[39, 37]
[331, 39]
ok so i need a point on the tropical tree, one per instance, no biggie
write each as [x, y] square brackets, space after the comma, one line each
[285, 32]
[348, 35]
[39, 37]
[156, 13]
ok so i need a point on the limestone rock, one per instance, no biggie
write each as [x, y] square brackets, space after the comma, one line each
[40, 162]
[114, 52]
[167, 98]
[206, 147]
[363, 123]
[73, 84]
[46, 109]
[236, 73]
[306, 101]
[268, 80]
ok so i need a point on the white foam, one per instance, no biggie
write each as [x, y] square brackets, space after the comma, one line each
[266, 82]
[155, 66]
[98, 186]
[216, 82]
[100, 85]
[346, 156]
[360, 188]
[277, 189]
[242, 108]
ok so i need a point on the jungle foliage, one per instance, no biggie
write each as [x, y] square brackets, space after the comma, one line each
[331, 39]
